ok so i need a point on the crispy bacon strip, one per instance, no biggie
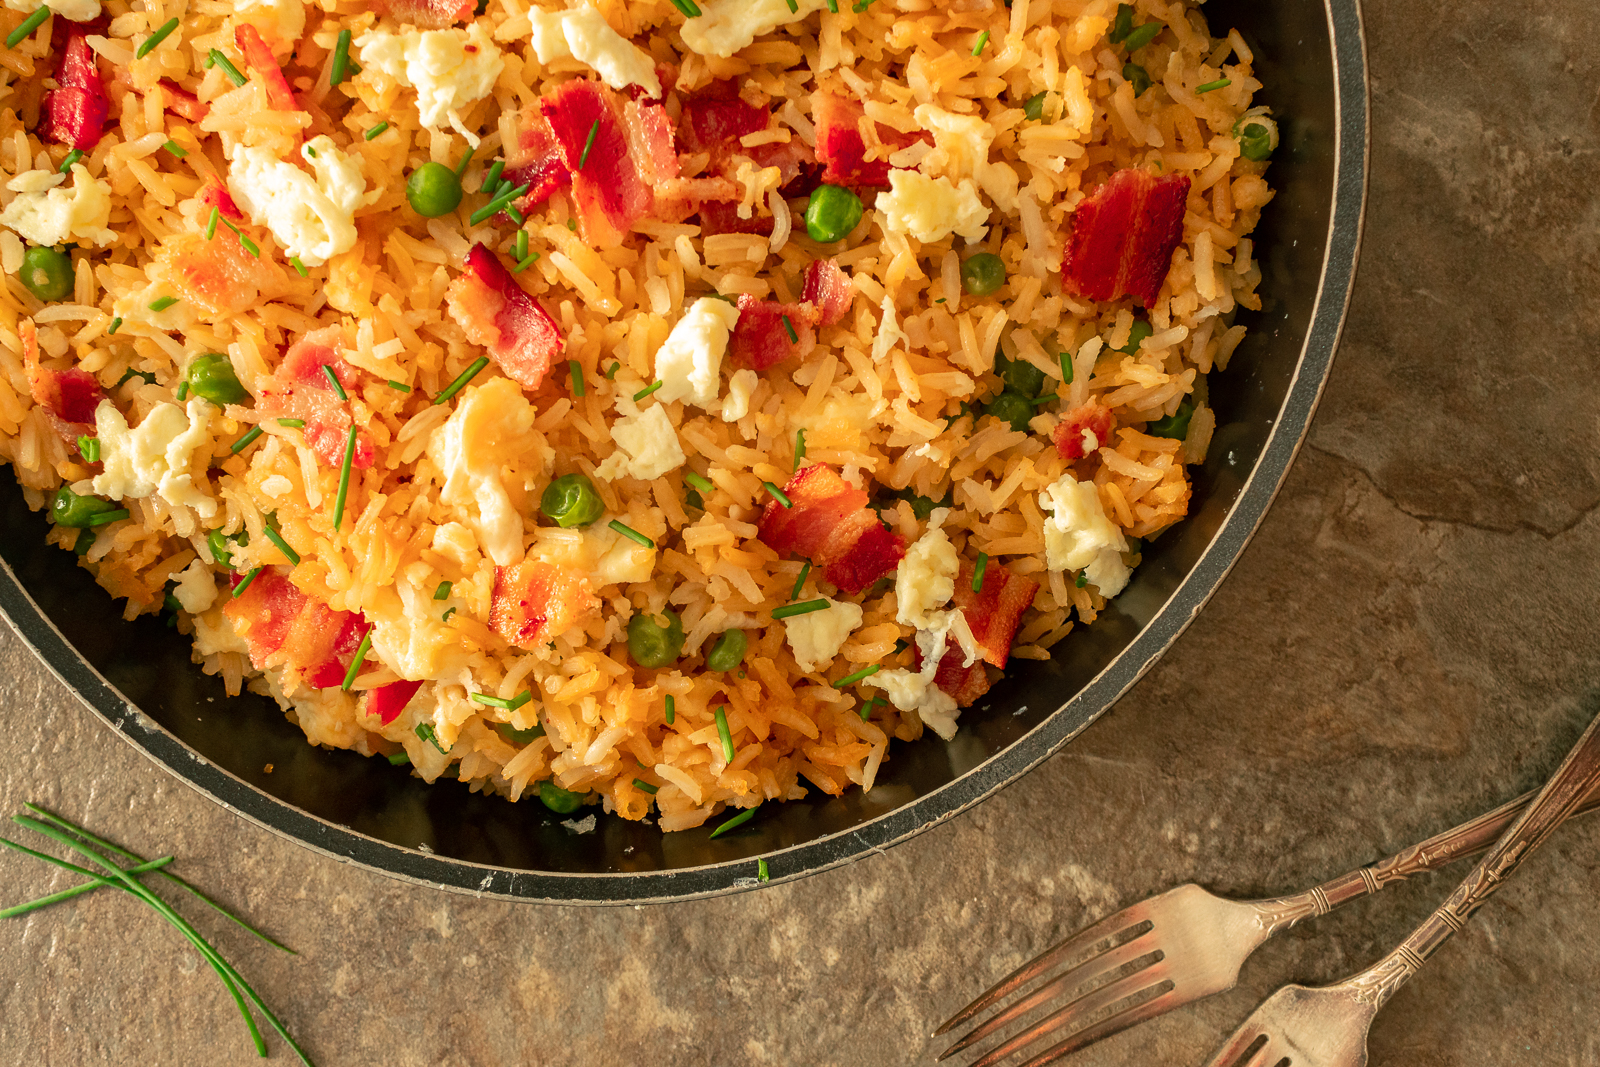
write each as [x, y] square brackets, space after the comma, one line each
[183, 103]
[830, 524]
[760, 338]
[75, 113]
[827, 288]
[535, 160]
[300, 389]
[965, 683]
[534, 602]
[722, 216]
[218, 275]
[993, 614]
[714, 118]
[840, 147]
[607, 191]
[68, 397]
[283, 626]
[1089, 418]
[388, 701]
[259, 57]
[1121, 237]
[432, 14]
[499, 315]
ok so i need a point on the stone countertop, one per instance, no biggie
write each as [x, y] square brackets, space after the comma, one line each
[1411, 638]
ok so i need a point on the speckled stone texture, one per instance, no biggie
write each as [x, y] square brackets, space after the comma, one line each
[1411, 638]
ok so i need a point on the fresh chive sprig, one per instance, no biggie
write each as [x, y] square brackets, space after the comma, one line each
[737, 821]
[344, 476]
[789, 611]
[462, 379]
[28, 25]
[162, 33]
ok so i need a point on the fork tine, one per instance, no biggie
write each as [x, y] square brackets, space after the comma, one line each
[1232, 1054]
[1083, 973]
[1106, 1027]
[1074, 1012]
[1107, 927]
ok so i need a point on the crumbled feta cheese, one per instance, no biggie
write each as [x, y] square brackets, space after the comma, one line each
[725, 26]
[47, 215]
[450, 69]
[1079, 536]
[816, 637]
[75, 10]
[931, 209]
[961, 150]
[155, 456]
[914, 690]
[408, 635]
[281, 22]
[689, 362]
[311, 218]
[927, 579]
[648, 442]
[741, 387]
[196, 588]
[488, 433]
[585, 35]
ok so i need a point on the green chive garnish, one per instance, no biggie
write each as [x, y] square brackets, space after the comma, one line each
[522, 244]
[577, 377]
[1082, 580]
[238, 590]
[789, 611]
[777, 494]
[173, 149]
[794, 8]
[293, 424]
[227, 67]
[1066, 368]
[799, 447]
[89, 448]
[361, 653]
[249, 245]
[105, 518]
[647, 390]
[401, 386]
[646, 786]
[376, 130]
[79, 890]
[491, 180]
[156, 38]
[443, 592]
[866, 709]
[856, 676]
[399, 759]
[461, 168]
[511, 704]
[594, 131]
[788, 328]
[983, 39]
[246, 441]
[162, 303]
[116, 324]
[670, 709]
[344, 476]
[611, 371]
[300, 268]
[446, 616]
[761, 870]
[283, 546]
[722, 732]
[515, 215]
[497, 205]
[699, 481]
[737, 821]
[333, 380]
[799, 583]
[526, 263]
[689, 8]
[29, 24]
[341, 58]
[833, 6]
[630, 533]
[211, 224]
[67, 162]
[977, 572]
[462, 379]
[424, 730]
[1142, 36]
[1220, 83]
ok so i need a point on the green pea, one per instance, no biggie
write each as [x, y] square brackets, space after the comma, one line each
[983, 273]
[1011, 407]
[653, 645]
[561, 801]
[519, 737]
[728, 652]
[47, 273]
[571, 500]
[433, 190]
[1136, 335]
[1138, 76]
[832, 213]
[1175, 425]
[211, 375]
[77, 512]
[1034, 108]
[1255, 142]
[217, 541]
[1019, 375]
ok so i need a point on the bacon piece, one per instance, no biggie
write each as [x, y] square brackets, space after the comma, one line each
[214, 194]
[69, 397]
[1088, 418]
[388, 701]
[722, 216]
[798, 169]
[993, 614]
[1121, 237]
[607, 191]
[535, 161]
[331, 671]
[432, 14]
[840, 147]
[499, 315]
[827, 288]
[716, 117]
[218, 275]
[183, 103]
[75, 113]
[830, 524]
[284, 627]
[964, 682]
[300, 389]
[259, 57]
[534, 602]
[760, 339]
[650, 141]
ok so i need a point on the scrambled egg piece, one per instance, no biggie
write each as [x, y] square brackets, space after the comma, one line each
[689, 362]
[647, 446]
[154, 457]
[607, 557]
[725, 26]
[450, 69]
[741, 387]
[313, 219]
[931, 209]
[48, 215]
[816, 637]
[926, 580]
[1079, 536]
[487, 438]
[585, 35]
[76, 10]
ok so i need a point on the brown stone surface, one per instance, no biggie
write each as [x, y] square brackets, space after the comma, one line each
[1411, 638]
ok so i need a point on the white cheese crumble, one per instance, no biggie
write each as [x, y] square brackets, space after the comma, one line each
[76, 10]
[281, 22]
[155, 456]
[689, 362]
[586, 36]
[961, 150]
[817, 636]
[1079, 536]
[647, 446]
[741, 387]
[196, 589]
[488, 432]
[926, 581]
[915, 691]
[725, 26]
[450, 69]
[931, 209]
[48, 215]
[313, 219]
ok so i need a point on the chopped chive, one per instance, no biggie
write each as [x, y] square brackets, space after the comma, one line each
[398, 759]
[238, 590]
[161, 34]
[162, 303]
[630, 533]
[183, 391]
[67, 162]
[794, 8]
[300, 268]
[293, 424]
[856, 676]
[443, 592]
[977, 572]
[799, 583]
[341, 58]
[461, 168]
[1142, 35]
[1082, 580]
[722, 732]
[526, 263]
[89, 448]
[833, 6]
[1066, 368]
[788, 611]
[799, 447]
[227, 67]
[594, 131]
[175, 150]
[1220, 83]
[866, 709]
[788, 328]
[401, 386]
[572, 224]
[777, 494]
[670, 709]
[361, 653]
[761, 870]
[983, 39]
[491, 180]
[647, 390]
[211, 224]
[646, 786]
[29, 24]
[1047, 398]
[507, 703]
[344, 476]
[522, 244]
[246, 441]
[376, 130]
[424, 730]
[497, 205]
[446, 616]
[699, 481]
[737, 821]
[333, 379]
[577, 377]
[689, 8]
[462, 379]
[940, 300]
[611, 371]
[249, 245]
[116, 324]
[107, 517]
[283, 546]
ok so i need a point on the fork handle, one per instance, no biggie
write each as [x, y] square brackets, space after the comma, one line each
[1559, 799]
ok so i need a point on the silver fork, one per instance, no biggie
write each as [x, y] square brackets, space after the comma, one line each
[1193, 944]
[1327, 1027]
